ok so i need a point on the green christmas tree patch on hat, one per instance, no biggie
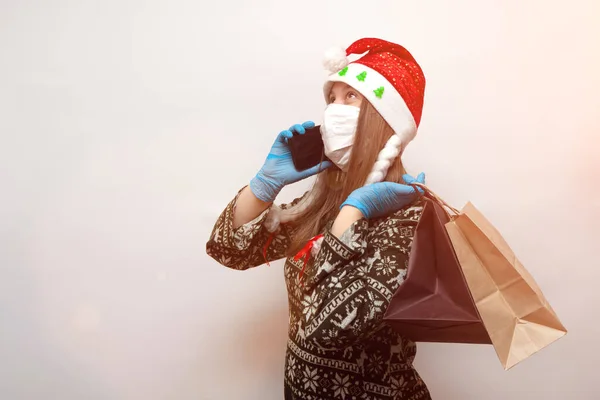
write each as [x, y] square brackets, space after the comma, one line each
[361, 78]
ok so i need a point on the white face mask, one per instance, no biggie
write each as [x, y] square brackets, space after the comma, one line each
[338, 129]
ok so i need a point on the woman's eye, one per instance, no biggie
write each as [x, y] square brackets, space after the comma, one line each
[331, 100]
[351, 95]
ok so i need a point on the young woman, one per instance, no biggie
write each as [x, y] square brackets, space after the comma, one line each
[347, 240]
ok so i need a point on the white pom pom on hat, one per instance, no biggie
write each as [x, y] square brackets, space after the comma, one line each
[335, 59]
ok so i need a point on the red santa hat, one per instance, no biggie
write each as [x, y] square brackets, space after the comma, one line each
[391, 80]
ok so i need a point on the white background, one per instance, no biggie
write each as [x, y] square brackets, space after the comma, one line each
[127, 126]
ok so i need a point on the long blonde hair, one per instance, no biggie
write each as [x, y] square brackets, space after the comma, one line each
[333, 186]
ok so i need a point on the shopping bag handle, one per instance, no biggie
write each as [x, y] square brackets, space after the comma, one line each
[431, 195]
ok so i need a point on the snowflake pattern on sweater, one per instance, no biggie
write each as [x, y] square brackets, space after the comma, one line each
[338, 346]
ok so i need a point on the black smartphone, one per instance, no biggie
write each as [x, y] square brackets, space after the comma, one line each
[307, 149]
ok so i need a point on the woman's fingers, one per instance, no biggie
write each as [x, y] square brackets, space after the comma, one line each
[285, 135]
[298, 128]
[308, 124]
[301, 128]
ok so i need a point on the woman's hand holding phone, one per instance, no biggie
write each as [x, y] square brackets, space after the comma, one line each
[278, 169]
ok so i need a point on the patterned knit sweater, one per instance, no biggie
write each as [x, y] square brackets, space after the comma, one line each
[338, 347]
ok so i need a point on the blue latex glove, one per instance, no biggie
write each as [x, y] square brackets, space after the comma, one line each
[384, 198]
[278, 169]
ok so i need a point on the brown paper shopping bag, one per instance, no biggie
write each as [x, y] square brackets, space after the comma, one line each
[515, 312]
[433, 304]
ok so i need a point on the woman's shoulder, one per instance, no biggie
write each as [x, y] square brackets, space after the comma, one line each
[411, 212]
[405, 217]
